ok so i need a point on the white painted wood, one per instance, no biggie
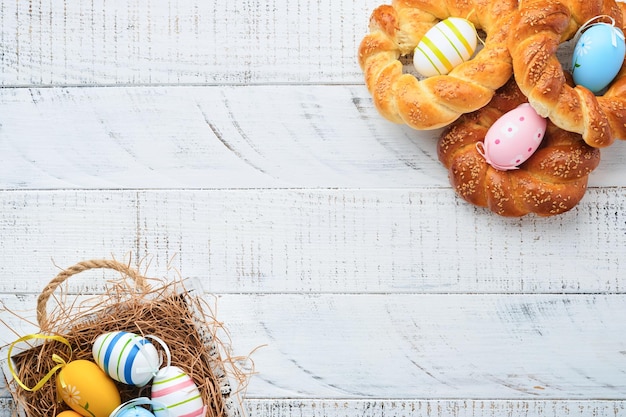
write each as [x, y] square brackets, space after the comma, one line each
[213, 137]
[414, 346]
[180, 42]
[432, 408]
[316, 240]
[235, 142]
[424, 346]
[220, 137]
[421, 408]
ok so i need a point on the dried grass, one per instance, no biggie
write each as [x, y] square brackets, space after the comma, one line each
[167, 310]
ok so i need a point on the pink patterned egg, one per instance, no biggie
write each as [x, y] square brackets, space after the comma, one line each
[513, 138]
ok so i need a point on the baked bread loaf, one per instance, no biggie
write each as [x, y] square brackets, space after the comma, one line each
[552, 181]
[536, 32]
[434, 102]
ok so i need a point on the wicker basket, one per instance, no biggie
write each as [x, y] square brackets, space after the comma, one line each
[133, 305]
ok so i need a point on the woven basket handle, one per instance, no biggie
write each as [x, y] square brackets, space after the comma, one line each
[42, 315]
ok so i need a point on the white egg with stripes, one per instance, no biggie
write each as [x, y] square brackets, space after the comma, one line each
[126, 357]
[177, 393]
[449, 43]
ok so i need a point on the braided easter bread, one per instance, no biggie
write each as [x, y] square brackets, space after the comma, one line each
[537, 30]
[395, 31]
[552, 181]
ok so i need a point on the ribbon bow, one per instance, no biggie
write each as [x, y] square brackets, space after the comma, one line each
[595, 20]
[56, 358]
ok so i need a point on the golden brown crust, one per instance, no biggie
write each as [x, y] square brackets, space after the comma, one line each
[396, 29]
[552, 181]
[537, 30]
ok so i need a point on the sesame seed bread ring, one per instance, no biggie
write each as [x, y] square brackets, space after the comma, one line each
[537, 30]
[434, 102]
[552, 181]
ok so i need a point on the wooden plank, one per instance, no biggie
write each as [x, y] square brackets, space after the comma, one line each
[321, 241]
[214, 137]
[219, 137]
[431, 346]
[108, 42]
[419, 408]
[236, 143]
[416, 346]
[433, 408]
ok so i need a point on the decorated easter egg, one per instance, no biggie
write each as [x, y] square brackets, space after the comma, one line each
[135, 411]
[86, 389]
[177, 393]
[446, 45]
[126, 357]
[69, 413]
[513, 138]
[132, 408]
[598, 56]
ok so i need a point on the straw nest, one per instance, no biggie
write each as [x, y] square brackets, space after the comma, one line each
[139, 305]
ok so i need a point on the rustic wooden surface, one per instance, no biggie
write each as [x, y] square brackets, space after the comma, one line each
[235, 142]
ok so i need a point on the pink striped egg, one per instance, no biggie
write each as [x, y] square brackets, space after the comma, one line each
[178, 394]
[126, 357]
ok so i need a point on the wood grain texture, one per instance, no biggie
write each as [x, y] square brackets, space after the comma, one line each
[432, 346]
[219, 137]
[236, 143]
[129, 42]
[419, 408]
[433, 408]
[212, 137]
[322, 241]
[423, 346]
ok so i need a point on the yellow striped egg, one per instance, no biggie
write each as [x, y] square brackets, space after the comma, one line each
[177, 393]
[446, 45]
[126, 357]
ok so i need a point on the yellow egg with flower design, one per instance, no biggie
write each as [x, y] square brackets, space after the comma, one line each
[86, 389]
[69, 413]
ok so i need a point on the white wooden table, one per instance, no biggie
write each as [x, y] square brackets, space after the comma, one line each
[236, 141]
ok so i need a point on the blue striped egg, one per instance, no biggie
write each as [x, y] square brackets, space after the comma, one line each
[177, 393]
[446, 45]
[126, 357]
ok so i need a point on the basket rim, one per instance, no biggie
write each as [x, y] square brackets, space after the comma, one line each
[232, 404]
